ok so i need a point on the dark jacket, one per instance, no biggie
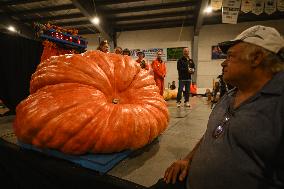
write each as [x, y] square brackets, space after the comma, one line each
[182, 66]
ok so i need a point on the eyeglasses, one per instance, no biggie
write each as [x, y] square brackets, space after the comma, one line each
[219, 130]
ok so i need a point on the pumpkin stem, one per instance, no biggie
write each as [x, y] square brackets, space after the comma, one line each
[115, 101]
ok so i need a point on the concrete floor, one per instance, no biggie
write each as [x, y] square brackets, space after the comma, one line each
[186, 127]
[147, 165]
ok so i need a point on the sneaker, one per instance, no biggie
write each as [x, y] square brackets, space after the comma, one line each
[187, 104]
[178, 104]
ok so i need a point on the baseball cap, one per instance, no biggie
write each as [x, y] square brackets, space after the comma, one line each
[267, 37]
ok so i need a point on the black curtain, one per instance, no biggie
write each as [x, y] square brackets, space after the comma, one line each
[19, 58]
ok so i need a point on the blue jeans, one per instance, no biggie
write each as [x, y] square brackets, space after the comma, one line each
[181, 84]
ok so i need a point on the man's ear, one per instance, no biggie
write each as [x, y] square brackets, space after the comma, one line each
[257, 59]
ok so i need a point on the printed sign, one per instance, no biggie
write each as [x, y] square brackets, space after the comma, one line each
[280, 5]
[230, 11]
[217, 53]
[150, 54]
[246, 6]
[270, 6]
[257, 7]
[174, 54]
[216, 4]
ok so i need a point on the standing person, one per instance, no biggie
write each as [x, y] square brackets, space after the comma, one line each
[173, 85]
[104, 46]
[185, 67]
[159, 69]
[141, 61]
[244, 141]
[118, 50]
[126, 52]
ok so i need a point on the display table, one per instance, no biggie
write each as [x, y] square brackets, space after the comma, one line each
[22, 168]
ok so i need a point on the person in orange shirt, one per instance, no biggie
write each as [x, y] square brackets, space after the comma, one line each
[159, 69]
[143, 64]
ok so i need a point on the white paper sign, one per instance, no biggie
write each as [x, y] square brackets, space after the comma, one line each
[150, 54]
[280, 5]
[232, 3]
[246, 6]
[257, 7]
[216, 4]
[230, 11]
[230, 15]
[270, 6]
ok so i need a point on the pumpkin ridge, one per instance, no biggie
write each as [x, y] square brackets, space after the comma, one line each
[53, 78]
[66, 146]
[59, 130]
[30, 99]
[62, 112]
[105, 121]
[59, 110]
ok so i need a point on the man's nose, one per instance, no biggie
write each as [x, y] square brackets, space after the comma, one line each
[224, 63]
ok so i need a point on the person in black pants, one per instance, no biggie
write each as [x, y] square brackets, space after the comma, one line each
[185, 67]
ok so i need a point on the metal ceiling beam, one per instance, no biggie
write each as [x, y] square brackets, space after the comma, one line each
[87, 31]
[112, 2]
[75, 23]
[42, 10]
[22, 29]
[152, 7]
[153, 25]
[151, 16]
[200, 16]
[51, 18]
[18, 2]
[88, 10]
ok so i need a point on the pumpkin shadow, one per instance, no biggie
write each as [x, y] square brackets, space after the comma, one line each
[136, 159]
[147, 148]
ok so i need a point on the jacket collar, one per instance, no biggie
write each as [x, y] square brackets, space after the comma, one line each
[275, 85]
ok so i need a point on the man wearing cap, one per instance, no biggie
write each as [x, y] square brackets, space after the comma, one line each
[126, 51]
[141, 61]
[244, 141]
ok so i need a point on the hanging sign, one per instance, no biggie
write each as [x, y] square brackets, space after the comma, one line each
[270, 6]
[216, 4]
[150, 54]
[232, 3]
[257, 7]
[246, 6]
[280, 5]
[230, 11]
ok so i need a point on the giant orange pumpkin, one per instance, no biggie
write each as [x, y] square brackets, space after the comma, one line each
[92, 102]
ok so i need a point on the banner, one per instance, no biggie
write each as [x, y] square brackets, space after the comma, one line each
[150, 54]
[230, 11]
[246, 6]
[173, 54]
[270, 6]
[216, 4]
[257, 7]
[216, 53]
[280, 5]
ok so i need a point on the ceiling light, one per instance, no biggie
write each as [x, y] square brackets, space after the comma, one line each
[12, 28]
[95, 20]
[208, 9]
